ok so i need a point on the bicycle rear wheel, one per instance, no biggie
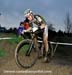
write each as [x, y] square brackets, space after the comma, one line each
[25, 54]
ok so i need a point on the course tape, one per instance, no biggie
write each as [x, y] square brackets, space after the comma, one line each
[60, 43]
[5, 38]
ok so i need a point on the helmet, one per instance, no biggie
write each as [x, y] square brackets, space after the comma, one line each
[27, 12]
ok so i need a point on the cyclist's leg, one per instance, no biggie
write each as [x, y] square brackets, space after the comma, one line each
[35, 42]
[37, 45]
[42, 49]
[45, 40]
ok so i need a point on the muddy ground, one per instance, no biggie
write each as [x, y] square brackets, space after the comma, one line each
[61, 63]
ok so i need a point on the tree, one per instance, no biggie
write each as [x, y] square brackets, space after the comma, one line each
[50, 27]
[68, 24]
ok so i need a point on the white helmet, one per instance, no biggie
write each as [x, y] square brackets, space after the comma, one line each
[28, 12]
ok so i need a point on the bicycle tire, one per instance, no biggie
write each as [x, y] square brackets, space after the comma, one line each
[17, 50]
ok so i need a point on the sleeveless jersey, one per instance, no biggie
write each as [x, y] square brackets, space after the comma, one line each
[38, 20]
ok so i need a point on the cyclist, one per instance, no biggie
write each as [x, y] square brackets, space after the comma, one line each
[32, 18]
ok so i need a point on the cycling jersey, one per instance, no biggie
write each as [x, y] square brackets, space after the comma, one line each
[26, 25]
[38, 20]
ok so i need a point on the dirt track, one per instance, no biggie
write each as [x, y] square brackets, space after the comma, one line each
[59, 65]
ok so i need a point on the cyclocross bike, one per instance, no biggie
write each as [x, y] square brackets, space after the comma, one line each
[26, 53]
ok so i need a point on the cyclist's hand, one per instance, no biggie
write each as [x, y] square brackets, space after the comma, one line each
[23, 31]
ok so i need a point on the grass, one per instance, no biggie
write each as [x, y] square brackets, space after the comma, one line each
[11, 42]
[15, 40]
[24, 49]
[2, 52]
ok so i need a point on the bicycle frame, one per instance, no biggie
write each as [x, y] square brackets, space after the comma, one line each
[39, 40]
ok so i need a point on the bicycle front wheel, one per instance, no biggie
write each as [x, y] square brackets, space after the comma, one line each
[26, 54]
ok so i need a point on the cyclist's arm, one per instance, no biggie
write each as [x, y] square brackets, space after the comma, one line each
[42, 26]
[41, 21]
